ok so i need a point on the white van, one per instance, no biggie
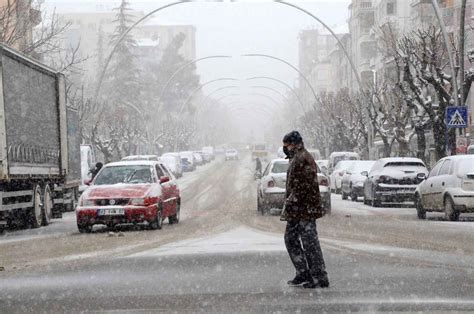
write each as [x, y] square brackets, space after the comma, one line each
[87, 163]
[336, 157]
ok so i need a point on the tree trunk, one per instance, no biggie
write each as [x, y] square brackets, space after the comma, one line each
[421, 143]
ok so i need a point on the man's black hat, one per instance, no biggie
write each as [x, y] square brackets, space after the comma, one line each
[294, 137]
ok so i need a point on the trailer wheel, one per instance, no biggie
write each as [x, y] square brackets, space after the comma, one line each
[47, 206]
[36, 212]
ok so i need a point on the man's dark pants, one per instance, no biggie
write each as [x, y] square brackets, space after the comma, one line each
[302, 244]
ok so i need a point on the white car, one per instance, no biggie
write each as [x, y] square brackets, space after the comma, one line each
[393, 180]
[449, 188]
[271, 189]
[338, 173]
[190, 160]
[173, 163]
[231, 154]
[353, 180]
[323, 164]
[209, 150]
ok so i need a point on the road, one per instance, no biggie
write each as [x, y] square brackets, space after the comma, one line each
[224, 257]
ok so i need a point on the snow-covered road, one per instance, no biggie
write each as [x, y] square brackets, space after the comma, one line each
[223, 257]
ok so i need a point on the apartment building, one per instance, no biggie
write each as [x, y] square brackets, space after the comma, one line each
[89, 30]
[19, 18]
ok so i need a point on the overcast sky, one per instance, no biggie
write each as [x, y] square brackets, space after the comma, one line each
[234, 29]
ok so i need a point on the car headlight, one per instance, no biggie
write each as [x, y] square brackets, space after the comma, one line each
[137, 201]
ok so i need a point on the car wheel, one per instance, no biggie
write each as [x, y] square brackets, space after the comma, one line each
[175, 219]
[157, 224]
[85, 228]
[451, 213]
[420, 211]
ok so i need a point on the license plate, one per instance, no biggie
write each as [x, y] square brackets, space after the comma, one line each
[111, 211]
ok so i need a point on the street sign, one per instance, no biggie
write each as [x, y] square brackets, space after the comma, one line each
[456, 117]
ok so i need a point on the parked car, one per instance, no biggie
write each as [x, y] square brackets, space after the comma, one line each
[198, 159]
[338, 173]
[231, 154]
[336, 157]
[130, 192]
[470, 150]
[209, 150]
[190, 160]
[173, 163]
[448, 188]
[205, 157]
[183, 163]
[393, 180]
[315, 153]
[323, 164]
[352, 184]
[271, 188]
[140, 157]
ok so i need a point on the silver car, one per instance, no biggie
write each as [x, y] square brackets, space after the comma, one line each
[271, 189]
[353, 180]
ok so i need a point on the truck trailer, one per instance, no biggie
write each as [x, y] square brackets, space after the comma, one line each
[39, 143]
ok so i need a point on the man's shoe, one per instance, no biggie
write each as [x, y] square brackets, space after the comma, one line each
[310, 284]
[300, 279]
[323, 283]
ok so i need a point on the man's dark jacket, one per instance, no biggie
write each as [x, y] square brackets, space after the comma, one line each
[303, 201]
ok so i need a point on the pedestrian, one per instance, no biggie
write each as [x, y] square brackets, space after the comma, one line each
[258, 166]
[302, 208]
[94, 171]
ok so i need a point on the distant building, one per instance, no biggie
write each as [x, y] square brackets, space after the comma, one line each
[87, 28]
[23, 18]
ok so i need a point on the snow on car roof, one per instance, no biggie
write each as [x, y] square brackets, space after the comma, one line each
[401, 159]
[132, 163]
[279, 160]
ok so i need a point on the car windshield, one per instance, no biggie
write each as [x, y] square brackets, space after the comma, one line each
[133, 174]
[280, 167]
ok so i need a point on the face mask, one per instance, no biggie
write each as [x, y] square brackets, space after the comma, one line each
[288, 153]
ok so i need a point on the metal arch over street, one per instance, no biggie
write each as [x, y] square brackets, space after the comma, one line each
[281, 82]
[354, 69]
[187, 1]
[276, 103]
[290, 65]
[201, 87]
[270, 89]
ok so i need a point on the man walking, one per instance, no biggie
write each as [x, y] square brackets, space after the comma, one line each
[302, 208]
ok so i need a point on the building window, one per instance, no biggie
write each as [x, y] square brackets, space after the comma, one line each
[391, 8]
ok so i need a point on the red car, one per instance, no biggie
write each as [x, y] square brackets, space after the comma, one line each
[130, 192]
